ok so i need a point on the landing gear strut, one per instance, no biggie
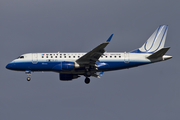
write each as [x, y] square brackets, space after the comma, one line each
[87, 80]
[28, 72]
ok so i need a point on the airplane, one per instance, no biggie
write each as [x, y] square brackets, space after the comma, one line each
[94, 63]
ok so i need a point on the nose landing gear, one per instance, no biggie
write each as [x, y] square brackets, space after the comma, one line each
[28, 78]
[28, 72]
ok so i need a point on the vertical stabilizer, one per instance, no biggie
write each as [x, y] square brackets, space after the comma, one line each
[155, 42]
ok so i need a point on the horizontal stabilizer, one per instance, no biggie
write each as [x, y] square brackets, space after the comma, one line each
[159, 53]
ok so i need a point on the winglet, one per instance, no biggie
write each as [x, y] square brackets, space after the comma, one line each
[109, 39]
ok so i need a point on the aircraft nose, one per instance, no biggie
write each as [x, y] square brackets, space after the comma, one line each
[9, 66]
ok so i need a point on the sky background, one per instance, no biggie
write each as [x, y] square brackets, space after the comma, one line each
[149, 92]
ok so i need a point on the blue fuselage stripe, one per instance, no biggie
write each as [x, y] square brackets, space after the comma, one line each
[48, 66]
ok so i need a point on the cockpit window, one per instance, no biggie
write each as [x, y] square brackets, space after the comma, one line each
[20, 57]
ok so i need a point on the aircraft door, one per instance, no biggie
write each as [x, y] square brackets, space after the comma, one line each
[34, 58]
[126, 57]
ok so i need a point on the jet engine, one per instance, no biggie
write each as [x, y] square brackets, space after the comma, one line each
[66, 66]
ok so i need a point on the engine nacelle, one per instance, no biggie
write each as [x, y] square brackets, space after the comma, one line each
[66, 66]
[67, 77]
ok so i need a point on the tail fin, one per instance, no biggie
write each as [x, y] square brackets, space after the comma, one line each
[155, 42]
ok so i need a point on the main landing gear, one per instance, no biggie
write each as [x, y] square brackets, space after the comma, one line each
[87, 74]
[87, 80]
[28, 72]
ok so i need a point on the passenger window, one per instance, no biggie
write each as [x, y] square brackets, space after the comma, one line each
[60, 56]
[46, 56]
[73, 56]
[110, 56]
[42, 56]
[115, 56]
[119, 56]
[69, 56]
[51, 56]
[106, 56]
[56, 56]
[64, 56]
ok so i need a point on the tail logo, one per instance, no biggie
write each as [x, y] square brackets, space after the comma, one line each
[156, 40]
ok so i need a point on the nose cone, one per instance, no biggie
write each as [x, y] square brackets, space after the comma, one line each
[9, 66]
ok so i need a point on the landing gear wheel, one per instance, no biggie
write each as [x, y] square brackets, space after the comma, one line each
[87, 80]
[28, 78]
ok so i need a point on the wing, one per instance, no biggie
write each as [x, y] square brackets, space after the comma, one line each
[94, 55]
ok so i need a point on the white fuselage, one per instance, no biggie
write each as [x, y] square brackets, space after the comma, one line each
[110, 61]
